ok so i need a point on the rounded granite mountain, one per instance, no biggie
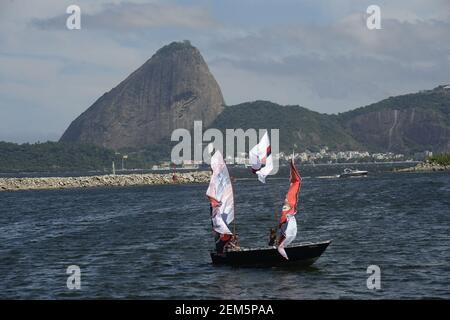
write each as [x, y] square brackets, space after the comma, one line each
[171, 90]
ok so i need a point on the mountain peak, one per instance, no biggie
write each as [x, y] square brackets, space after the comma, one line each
[175, 46]
[171, 90]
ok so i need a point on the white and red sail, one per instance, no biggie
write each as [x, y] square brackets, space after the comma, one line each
[261, 158]
[288, 224]
[220, 194]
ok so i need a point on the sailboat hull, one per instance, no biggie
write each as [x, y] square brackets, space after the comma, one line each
[301, 255]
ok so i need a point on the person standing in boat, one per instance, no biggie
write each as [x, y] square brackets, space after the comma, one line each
[236, 244]
[221, 239]
[272, 237]
[282, 226]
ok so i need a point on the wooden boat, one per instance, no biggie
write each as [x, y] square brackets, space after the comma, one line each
[300, 255]
[220, 194]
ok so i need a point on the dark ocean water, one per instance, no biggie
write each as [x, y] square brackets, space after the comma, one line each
[152, 242]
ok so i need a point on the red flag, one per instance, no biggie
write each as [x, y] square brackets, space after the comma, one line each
[291, 201]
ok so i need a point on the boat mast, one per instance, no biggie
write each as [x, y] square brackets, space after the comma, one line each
[234, 210]
[276, 211]
[234, 223]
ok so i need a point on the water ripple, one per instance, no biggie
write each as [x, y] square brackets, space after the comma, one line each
[153, 242]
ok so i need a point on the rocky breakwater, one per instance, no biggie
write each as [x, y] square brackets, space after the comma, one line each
[15, 184]
[425, 167]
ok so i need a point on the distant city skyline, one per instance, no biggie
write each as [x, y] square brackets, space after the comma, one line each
[319, 55]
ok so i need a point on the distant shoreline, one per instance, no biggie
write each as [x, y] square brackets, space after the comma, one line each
[47, 183]
[141, 179]
[63, 173]
[359, 163]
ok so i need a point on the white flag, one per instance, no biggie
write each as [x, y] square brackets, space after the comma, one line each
[220, 193]
[261, 158]
[289, 231]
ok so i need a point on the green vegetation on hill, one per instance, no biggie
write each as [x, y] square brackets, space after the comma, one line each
[53, 156]
[299, 127]
[436, 100]
[60, 156]
[406, 124]
[440, 159]
[403, 124]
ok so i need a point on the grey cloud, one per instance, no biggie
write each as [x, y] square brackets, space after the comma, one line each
[346, 61]
[334, 65]
[127, 16]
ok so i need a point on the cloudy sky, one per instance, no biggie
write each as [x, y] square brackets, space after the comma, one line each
[316, 53]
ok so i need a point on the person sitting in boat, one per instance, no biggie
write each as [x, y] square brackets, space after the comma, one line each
[272, 237]
[233, 244]
[222, 242]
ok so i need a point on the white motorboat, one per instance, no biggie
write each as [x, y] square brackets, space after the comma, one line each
[353, 173]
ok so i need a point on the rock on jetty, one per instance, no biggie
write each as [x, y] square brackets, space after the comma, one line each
[425, 167]
[14, 184]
